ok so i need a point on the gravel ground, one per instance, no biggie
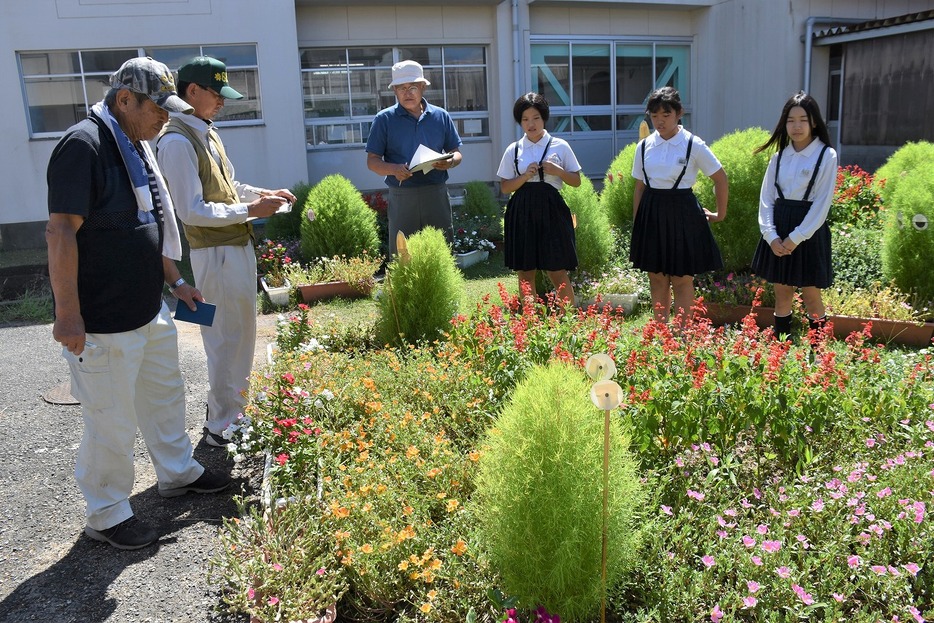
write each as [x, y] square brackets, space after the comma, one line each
[49, 570]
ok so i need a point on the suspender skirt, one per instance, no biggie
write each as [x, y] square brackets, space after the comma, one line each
[538, 230]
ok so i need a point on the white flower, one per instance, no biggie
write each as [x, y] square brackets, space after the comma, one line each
[328, 395]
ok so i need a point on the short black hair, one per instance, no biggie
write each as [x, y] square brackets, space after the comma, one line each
[530, 100]
[665, 98]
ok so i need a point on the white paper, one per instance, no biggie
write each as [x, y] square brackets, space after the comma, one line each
[424, 157]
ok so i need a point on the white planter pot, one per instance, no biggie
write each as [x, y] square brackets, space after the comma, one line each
[469, 259]
[279, 295]
[628, 302]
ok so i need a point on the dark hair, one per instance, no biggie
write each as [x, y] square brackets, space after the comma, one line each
[530, 100]
[665, 98]
[182, 88]
[779, 136]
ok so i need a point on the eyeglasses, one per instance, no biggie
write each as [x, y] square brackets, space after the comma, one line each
[407, 90]
[213, 92]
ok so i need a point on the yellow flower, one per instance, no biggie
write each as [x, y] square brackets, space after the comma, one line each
[367, 548]
[432, 594]
[452, 505]
[411, 452]
[426, 607]
[403, 565]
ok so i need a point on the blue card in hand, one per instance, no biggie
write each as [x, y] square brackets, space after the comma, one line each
[203, 315]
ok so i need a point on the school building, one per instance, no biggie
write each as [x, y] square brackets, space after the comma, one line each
[315, 72]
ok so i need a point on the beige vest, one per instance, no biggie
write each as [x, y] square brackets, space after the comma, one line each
[216, 186]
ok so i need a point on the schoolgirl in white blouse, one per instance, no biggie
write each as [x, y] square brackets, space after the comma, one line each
[671, 236]
[797, 191]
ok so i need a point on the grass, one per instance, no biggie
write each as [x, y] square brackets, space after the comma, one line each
[34, 307]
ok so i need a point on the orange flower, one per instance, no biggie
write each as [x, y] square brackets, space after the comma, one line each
[460, 548]
[411, 452]
[426, 607]
[452, 505]
[367, 548]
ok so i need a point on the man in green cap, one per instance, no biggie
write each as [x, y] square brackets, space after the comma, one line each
[214, 209]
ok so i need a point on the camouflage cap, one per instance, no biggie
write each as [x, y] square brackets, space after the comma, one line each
[152, 78]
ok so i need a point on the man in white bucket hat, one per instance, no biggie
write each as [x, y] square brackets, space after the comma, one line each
[416, 199]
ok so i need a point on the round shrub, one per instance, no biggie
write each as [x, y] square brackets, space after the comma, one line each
[857, 255]
[907, 158]
[540, 495]
[343, 224]
[593, 235]
[618, 185]
[420, 293]
[288, 226]
[908, 236]
[481, 201]
[738, 234]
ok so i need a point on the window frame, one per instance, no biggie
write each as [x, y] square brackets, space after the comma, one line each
[360, 124]
[84, 77]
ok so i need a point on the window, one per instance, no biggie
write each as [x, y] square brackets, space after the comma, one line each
[60, 87]
[602, 86]
[344, 88]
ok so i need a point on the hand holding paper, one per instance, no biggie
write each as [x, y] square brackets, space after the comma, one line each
[425, 157]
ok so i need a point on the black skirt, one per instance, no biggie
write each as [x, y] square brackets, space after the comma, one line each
[671, 235]
[538, 230]
[809, 264]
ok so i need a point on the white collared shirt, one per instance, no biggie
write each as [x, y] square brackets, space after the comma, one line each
[794, 176]
[559, 152]
[664, 160]
[179, 164]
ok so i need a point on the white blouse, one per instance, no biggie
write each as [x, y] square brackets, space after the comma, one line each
[794, 176]
[559, 152]
[665, 159]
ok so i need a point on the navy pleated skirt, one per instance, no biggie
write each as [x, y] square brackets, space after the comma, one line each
[671, 235]
[538, 230]
[809, 264]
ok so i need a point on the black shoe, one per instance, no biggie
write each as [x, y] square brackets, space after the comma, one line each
[209, 482]
[214, 440]
[128, 534]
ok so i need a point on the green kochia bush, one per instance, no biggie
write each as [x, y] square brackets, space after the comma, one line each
[421, 292]
[540, 492]
[908, 237]
[618, 185]
[480, 201]
[737, 235]
[907, 158]
[343, 224]
[281, 227]
[594, 238]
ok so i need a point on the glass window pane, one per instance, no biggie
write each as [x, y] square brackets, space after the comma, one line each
[551, 73]
[591, 74]
[423, 56]
[173, 57]
[106, 60]
[245, 81]
[336, 134]
[364, 91]
[320, 58]
[672, 64]
[370, 57]
[55, 104]
[466, 89]
[326, 93]
[232, 55]
[634, 80]
[44, 63]
[558, 123]
[592, 123]
[631, 123]
[465, 55]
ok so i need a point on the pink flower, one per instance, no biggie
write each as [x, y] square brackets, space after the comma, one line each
[771, 546]
[762, 529]
[853, 561]
[817, 505]
[750, 602]
[696, 495]
[803, 540]
[321, 571]
[756, 561]
[277, 566]
[870, 442]
[916, 614]
[802, 595]
[838, 597]
[878, 569]
[666, 510]
[752, 586]
[708, 561]
[273, 601]
[912, 568]
[716, 614]
[783, 572]
[748, 541]
[251, 594]
[884, 493]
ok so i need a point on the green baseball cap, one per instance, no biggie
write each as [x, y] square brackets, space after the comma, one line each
[208, 72]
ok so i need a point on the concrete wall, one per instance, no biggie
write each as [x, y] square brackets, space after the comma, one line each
[272, 154]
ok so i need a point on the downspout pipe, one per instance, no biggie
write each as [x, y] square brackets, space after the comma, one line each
[516, 48]
[809, 40]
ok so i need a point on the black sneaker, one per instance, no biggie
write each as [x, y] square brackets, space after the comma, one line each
[209, 482]
[128, 534]
[214, 440]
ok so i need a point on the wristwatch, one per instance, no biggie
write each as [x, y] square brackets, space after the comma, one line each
[178, 283]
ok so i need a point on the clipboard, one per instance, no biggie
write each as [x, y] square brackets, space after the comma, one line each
[203, 315]
[424, 157]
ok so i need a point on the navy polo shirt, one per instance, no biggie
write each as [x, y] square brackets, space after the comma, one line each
[396, 134]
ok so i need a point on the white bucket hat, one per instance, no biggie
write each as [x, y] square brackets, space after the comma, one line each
[407, 71]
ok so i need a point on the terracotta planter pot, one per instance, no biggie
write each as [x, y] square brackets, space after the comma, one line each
[332, 289]
[721, 314]
[895, 331]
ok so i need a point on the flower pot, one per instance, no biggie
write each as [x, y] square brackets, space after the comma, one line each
[723, 313]
[278, 295]
[323, 291]
[896, 331]
[628, 302]
[470, 258]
